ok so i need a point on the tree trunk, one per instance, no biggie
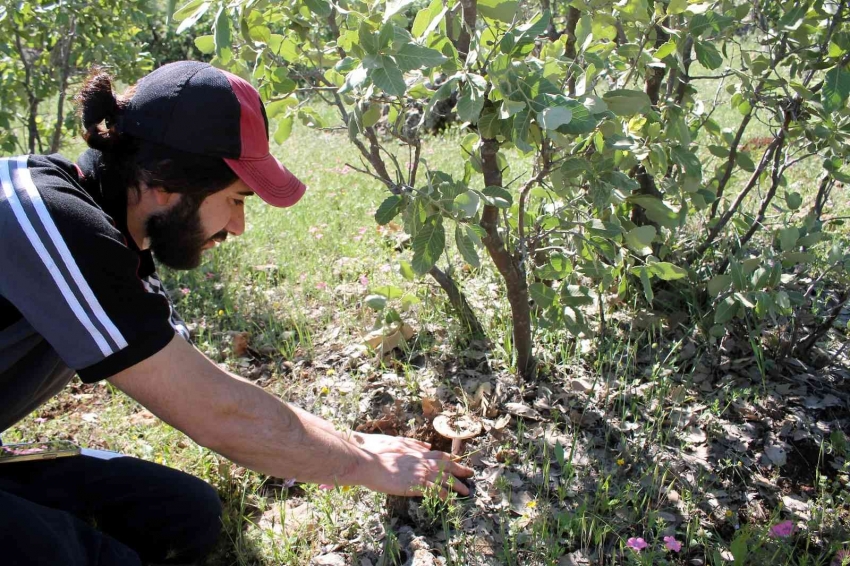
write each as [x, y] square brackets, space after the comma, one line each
[573, 16]
[551, 32]
[32, 109]
[509, 267]
[458, 302]
[67, 49]
[470, 14]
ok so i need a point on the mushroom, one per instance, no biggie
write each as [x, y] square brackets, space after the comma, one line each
[457, 427]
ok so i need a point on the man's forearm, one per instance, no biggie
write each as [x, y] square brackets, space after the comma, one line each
[270, 436]
[241, 421]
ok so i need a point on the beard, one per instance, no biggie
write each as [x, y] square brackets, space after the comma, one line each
[177, 237]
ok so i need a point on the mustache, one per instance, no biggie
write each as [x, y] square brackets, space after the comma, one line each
[219, 236]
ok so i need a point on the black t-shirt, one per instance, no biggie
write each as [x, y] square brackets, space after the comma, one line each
[76, 293]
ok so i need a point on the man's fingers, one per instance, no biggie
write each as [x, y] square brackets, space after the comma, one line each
[443, 493]
[446, 463]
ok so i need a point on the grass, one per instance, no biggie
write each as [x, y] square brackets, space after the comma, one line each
[628, 437]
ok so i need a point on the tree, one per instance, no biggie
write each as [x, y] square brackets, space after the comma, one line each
[592, 167]
[51, 46]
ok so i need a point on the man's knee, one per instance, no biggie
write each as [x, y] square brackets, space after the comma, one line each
[201, 527]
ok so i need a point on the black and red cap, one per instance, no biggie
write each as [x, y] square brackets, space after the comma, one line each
[197, 108]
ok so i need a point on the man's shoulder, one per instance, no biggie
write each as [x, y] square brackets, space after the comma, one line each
[40, 185]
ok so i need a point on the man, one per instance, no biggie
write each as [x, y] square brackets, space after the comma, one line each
[171, 165]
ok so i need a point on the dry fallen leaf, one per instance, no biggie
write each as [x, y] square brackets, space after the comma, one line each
[238, 344]
[521, 410]
[431, 407]
[776, 454]
[143, 418]
[502, 422]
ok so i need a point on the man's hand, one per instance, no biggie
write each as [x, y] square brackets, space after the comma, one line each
[384, 444]
[410, 474]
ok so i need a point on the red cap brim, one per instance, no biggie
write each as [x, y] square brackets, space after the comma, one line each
[269, 179]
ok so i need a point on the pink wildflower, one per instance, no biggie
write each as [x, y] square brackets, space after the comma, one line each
[842, 558]
[782, 530]
[364, 280]
[321, 285]
[185, 291]
[672, 544]
[326, 486]
[636, 543]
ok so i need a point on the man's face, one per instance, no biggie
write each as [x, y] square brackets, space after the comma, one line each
[179, 235]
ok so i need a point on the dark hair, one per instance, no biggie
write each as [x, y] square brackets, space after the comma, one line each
[129, 162]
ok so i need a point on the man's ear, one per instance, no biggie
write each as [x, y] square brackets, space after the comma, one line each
[162, 197]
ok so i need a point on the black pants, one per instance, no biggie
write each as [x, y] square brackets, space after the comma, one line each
[82, 511]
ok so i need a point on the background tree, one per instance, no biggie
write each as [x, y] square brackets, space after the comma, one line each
[51, 46]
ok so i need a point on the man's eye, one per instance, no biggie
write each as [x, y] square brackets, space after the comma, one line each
[239, 202]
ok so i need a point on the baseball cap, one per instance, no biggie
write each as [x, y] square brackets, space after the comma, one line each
[197, 108]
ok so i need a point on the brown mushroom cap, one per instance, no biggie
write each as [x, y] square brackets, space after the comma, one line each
[457, 426]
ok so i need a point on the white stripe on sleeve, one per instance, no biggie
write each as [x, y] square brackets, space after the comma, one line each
[25, 178]
[52, 268]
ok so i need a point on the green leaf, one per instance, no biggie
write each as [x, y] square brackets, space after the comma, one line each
[687, 160]
[640, 239]
[205, 44]
[542, 295]
[521, 39]
[558, 268]
[222, 35]
[625, 102]
[372, 115]
[581, 121]
[389, 78]
[666, 49]
[189, 17]
[501, 10]
[187, 9]
[388, 210]
[466, 247]
[376, 302]
[739, 550]
[273, 109]
[719, 284]
[428, 19]
[794, 200]
[406, 270]
[471, 99]
[554, 117]
[657, 210]
[677, 6]
[708, 55]
[667, 271]
[726, 310]
[498, 197]
[413, 56]
[646, 284]
[284, 128]
[836, 88]
[388, 291]
[467, 203]
[321, 8]
[394, 7]
[575, 296]
[428, 244]
[788, 238]
[408, 300]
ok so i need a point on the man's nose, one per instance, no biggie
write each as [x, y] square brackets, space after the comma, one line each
[236, 226]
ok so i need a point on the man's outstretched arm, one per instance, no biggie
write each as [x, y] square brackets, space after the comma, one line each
[240, 421]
